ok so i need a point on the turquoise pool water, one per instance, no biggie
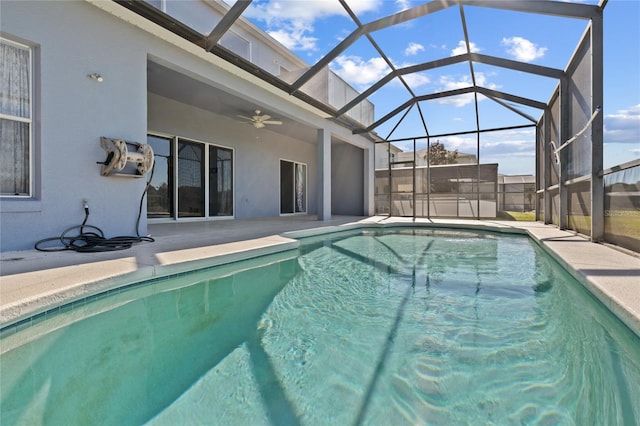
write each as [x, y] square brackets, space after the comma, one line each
[394, 327]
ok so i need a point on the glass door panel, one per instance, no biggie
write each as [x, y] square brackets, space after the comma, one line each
[160, 192]
[190, 179]
[293, 187]
[220, 181]
[286, 187]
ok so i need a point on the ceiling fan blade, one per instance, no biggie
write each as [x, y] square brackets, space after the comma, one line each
[259, 121]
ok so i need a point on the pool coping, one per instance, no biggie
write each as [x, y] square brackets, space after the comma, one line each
[86, 280]
[611, 275]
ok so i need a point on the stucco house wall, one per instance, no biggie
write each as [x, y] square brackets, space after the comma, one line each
[71, 40]
[257, 153]
[347, 191]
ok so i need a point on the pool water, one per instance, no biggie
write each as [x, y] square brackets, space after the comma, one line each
[395, 327]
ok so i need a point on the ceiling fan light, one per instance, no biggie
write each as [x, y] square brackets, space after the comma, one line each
[259, 121]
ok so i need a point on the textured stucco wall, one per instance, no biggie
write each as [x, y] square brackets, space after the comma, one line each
[72, 40]
[347, 178]
[257, 153]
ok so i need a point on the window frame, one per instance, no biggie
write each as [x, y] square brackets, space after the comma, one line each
[231, 33]
[29, 121]
[306, 187]
[206, 164]
[171, 176]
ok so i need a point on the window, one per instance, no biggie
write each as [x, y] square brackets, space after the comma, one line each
[236, 44]
[293, 187]
[158, 4]
[16, 111]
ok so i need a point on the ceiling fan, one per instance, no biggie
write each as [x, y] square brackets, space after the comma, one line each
[259, 121]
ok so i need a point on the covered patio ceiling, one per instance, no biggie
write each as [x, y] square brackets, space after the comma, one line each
[378, 38]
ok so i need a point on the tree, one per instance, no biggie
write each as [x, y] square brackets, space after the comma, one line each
[438, 154]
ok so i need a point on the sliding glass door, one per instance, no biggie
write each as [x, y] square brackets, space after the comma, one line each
[190, 179]
[160, 192]
[293, 187]
[220, 181]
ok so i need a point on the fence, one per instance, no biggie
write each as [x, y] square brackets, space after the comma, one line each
[622, 205]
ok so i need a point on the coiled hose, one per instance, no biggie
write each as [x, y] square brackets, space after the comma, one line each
[93, 241]
[90, 239]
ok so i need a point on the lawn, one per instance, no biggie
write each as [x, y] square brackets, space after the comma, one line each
[520, 216]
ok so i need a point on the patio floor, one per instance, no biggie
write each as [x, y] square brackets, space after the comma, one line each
[32, 282]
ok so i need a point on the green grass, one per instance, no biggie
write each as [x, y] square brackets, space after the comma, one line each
[520, 216]
[627, 226]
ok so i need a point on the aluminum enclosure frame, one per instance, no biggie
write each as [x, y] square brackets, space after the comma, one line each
[593, 35]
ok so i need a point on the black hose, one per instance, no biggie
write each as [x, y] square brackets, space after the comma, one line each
[90, 239]
[146, 188]
[94, 240]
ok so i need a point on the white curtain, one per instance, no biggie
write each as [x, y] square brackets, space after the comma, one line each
[15, 105]
[301, 187]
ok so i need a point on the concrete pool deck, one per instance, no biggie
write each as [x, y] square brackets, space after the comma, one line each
[32, 282]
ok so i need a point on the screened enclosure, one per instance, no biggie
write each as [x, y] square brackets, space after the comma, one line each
[558, 102]
[516, 193]
[432, 183]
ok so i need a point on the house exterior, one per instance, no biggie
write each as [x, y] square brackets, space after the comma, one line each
[516, 193]
[385, 153]
[83, 81]
[76, 73]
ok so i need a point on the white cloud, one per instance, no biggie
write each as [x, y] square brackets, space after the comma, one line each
[507, 147]
[513, 150]
[294, 38]
[461, 143]
[403, 4]
[413, 49]
[623, 126]
[292, 22]
[416, 80]
[522, 49]
[462, 48]
[359, 72]
[305, 11]
[502, 144]
[451, 83]
[363, 73]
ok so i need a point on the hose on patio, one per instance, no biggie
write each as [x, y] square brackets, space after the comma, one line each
[91, 239]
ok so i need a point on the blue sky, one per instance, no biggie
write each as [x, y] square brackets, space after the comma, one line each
[313, 28]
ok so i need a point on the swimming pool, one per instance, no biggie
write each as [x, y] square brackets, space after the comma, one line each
[400, 326]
